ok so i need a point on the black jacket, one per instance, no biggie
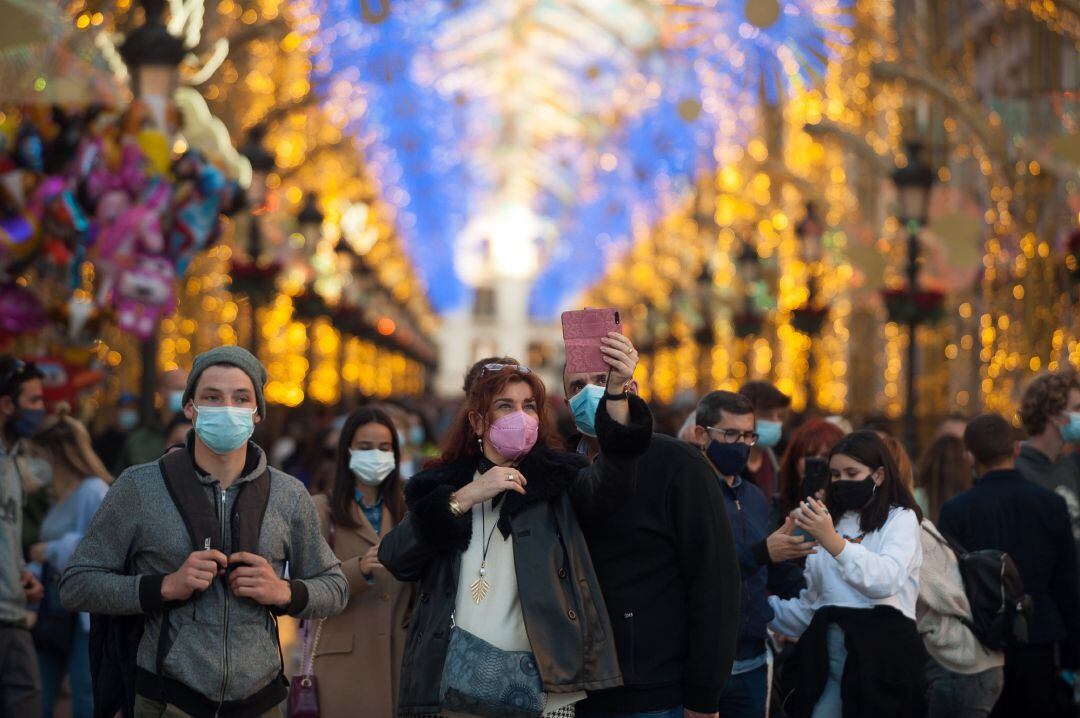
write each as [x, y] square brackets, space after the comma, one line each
[749, 513]
[670, 576]
[569, 629]
[667, 566]
[1005, 511]
[883, 674]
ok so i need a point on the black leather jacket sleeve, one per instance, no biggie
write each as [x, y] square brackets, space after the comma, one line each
[603, 486]
[429, 531]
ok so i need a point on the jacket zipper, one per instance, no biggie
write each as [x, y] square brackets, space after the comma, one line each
[225, 622]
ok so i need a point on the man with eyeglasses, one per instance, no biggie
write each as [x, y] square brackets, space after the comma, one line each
[22, 408]
[667, 569]
[725, 432]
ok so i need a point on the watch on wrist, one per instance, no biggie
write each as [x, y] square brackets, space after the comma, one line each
[621, 396]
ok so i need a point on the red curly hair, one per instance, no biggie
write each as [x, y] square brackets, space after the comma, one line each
[816, 437]
[460, 440]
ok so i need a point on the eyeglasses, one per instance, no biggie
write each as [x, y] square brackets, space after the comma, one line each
[730, 436]
[499, 367]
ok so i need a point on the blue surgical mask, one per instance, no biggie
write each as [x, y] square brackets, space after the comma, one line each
[224, 429]
[27, 422]
[768, 432]
[416, 435]
[584, 406]
[176, 401]
[1071, 432]
[128, 419]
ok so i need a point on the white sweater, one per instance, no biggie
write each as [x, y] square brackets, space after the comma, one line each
[881, 570]
[941, 602]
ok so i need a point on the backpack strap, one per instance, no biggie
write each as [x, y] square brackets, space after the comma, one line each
[248, 512]
[189, 496]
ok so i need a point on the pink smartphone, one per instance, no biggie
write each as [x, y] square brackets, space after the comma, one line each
[582, 332]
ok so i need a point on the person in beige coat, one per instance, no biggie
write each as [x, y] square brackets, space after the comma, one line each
[964, 678]
[357, 657]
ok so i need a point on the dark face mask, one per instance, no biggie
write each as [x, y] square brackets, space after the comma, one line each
[852, 495]
[729, 459]
[27, 422]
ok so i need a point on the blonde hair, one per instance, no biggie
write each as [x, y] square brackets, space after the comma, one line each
[68, 440]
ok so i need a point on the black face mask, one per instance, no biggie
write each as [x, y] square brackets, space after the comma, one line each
[852, 495]
[729, 459]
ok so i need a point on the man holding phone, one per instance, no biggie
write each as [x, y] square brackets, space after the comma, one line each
[725, 433]
[667, 568]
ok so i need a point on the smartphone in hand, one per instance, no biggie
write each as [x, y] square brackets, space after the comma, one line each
[582, 332]
[815, 477]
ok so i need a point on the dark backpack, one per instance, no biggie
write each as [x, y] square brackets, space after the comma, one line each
[114, 640]
[1000, 610]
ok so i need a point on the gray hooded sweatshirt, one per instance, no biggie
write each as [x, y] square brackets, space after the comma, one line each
[223, 647]
[1061, 476]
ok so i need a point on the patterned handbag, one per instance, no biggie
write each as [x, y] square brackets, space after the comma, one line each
[481, 680]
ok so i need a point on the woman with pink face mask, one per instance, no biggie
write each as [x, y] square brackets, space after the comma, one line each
[509, 619]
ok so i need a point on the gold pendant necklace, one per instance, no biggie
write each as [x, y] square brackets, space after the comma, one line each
[480, 587]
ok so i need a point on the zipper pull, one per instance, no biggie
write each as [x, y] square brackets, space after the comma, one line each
[738, 506]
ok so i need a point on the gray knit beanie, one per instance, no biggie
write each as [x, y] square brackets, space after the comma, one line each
[232, 356]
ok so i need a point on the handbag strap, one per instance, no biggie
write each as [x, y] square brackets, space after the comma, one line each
[311, 645]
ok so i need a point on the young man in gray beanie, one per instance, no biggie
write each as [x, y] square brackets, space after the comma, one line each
[217, 602]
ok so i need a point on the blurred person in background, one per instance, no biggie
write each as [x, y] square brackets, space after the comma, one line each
[815, 438]
[146, 443]
[952, 425]
[944, 471]
[357, 658]
[321, 460]
[903, 462]
[22, 411]
[80, 481]
[1050, 410]
[770, 410]
[177, 431]
[123, 420]
[1005, 511]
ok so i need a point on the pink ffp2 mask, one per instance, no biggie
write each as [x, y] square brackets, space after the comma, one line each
[514, 435]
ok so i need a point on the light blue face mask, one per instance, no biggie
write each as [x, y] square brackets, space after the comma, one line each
[1071, 432]
[176, 401]
[584, 405]
[224, 429]
[768, 432]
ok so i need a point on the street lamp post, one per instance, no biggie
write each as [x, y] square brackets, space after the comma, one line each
[913, 184]
[262, 164]
[152, 56]
[809, 232]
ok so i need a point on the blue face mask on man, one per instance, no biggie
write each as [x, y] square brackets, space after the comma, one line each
[27, 422]
[224, 429]
[1070, 432]
[584, 406]
[768, 432]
